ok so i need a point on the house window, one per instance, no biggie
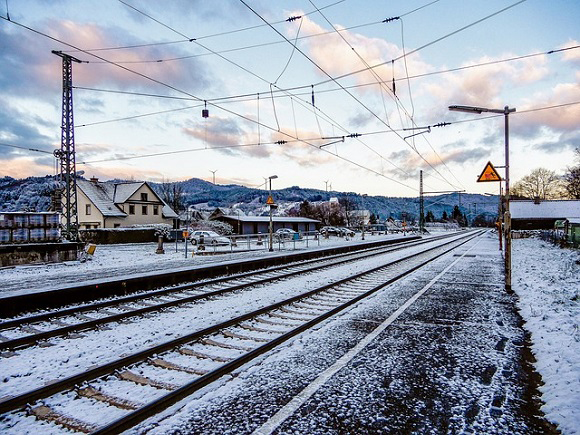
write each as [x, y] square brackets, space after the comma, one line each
[144, 210]
[155, 210]
[144, 197]
[88, 209]
[116, 225]
[131, 209]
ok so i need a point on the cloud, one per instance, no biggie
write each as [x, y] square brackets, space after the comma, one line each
[29, 67]
[571, 55]
[566, 141]
[483, 86]
[21, 167]
[560, 119]
[411, 162]
[326, 49]
[20, 128]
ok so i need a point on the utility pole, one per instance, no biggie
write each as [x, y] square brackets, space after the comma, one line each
[66, 154]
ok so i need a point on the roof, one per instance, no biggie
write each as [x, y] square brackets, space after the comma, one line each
[106, 196]
[98, 195]
[554, 209]
[286, 219]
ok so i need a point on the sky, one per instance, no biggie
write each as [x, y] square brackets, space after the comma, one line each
[322, 94]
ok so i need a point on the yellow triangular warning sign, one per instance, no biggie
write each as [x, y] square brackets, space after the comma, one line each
[489, 174]
[270, 200]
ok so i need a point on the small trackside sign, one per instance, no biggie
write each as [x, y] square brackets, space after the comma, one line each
[270, 200]
[489, 174]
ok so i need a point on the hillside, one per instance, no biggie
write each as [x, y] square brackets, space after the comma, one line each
[33, 194]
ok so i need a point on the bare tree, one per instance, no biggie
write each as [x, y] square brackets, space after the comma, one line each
[173, 195]
[540, 183]
[572, 178]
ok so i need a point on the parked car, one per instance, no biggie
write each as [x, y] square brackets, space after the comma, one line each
[332, 231]
[345, 232]
[209, 238]
[286, 234]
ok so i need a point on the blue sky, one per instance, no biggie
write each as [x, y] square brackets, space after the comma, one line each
[137, 105]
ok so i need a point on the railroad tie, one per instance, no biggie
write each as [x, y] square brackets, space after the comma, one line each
[159, 362]
[244, 337]
[142, 380]
[269, 322]
[46, 413]
[191, 352]
[285, 317]
[118, 402]
[211, 342]
[253, 328]
[289, 311]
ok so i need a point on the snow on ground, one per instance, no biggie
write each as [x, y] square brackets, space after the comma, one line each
[547, 281]
[545, 278]
[128, 259]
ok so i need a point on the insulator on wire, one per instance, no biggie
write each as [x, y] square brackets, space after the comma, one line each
[205, 111]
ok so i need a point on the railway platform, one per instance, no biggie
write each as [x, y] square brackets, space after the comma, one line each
[442, 351]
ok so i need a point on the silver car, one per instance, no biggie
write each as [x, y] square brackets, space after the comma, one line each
[209, 238]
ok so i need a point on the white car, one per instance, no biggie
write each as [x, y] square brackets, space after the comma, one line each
[209, 238]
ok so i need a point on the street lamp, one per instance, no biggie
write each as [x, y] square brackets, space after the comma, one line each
[507, 217]
[272, 206]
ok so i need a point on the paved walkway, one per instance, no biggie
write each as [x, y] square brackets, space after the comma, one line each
[453, 361]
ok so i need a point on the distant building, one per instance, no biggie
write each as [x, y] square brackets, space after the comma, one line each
[261, 224]
[114, 205]
[542, 214]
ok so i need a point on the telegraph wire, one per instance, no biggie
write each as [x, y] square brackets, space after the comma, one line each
[315, 109]
[251, 96]
[424, 45]
[335, 81]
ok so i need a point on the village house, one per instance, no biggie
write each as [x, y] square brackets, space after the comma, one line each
[116, 205]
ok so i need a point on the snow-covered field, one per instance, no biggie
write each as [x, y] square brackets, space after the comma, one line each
[546, 279]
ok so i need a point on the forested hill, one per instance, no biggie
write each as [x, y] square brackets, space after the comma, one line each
[33, 194]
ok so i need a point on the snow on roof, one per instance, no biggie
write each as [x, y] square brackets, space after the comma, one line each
[274, 219]
[98, 194]
[555, 209]
[123, 191]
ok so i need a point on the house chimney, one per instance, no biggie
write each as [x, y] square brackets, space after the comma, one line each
[536, 199]
[94, 180]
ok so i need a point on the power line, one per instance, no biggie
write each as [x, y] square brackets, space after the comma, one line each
[424, 45]
[336, 82]
[252, 96]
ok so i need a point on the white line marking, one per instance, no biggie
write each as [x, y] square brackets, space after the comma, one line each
[290, 408]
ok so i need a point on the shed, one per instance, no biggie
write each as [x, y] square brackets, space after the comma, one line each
[542, 214]
[261, 224]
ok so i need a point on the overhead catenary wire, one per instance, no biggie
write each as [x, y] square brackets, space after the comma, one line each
[335, 81]
[315, 109]
[251, 96]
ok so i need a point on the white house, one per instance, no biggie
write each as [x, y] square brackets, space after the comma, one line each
[114, 205]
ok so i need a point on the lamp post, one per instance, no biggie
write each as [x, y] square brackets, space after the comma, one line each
[507, 216]
[272, 206]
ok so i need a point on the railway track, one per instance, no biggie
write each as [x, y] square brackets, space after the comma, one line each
[32, 329]
[137, 386]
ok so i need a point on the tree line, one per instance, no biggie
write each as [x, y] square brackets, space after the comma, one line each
[546, 184]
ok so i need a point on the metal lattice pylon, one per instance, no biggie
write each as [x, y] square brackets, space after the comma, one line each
[66, 154]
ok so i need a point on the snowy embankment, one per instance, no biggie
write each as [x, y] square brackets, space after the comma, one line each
[547, 281]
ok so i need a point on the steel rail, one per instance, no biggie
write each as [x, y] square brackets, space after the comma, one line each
[164, 402]
[55, 387]
[31, 339]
